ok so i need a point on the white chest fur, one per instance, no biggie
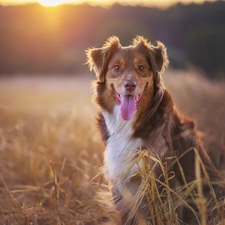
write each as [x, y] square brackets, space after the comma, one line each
[120, 147]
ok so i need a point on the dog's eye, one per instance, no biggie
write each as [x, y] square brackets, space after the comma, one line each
[141, 67]
[116, 68]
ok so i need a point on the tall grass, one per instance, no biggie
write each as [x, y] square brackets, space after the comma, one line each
[168, 205]
[51, 156]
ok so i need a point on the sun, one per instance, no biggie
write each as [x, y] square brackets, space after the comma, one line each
[55, 2]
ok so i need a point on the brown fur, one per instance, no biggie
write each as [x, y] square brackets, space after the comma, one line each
[165, 131]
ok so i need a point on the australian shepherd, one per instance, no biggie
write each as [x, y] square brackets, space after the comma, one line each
[137, 112]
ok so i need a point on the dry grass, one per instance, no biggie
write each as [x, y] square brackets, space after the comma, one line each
[165, 205]
[51, 156]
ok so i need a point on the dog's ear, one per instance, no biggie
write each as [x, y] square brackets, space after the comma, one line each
[156, 55]
[98, 58]
[160, 58]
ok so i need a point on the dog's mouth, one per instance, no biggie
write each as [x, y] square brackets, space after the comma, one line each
[128, 104]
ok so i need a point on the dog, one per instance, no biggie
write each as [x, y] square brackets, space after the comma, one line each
[137, 112]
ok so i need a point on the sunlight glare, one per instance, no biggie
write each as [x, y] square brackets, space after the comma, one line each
[55, 2]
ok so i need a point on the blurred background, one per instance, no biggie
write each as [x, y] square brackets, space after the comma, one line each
[49, 37]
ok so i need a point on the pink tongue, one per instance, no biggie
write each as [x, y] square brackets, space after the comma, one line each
[128, 107]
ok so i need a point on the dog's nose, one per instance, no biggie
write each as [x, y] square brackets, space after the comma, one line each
[130, 85]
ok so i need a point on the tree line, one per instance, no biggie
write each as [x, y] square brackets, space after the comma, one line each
[36, 39]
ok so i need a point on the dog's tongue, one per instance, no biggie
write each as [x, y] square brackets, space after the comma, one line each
[128, 107]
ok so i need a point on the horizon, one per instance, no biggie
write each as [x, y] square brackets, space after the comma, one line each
[154, 3]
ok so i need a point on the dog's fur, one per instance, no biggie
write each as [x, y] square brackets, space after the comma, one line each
[152, 123]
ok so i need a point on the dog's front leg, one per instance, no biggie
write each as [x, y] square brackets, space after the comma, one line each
[122, 206]
[132, 209]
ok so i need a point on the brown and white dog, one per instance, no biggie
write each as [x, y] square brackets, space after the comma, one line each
[138, 112]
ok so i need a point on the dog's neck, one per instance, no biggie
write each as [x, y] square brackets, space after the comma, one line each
[115, 124]
[121, 147]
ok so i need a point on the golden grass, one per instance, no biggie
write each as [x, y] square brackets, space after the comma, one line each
[51, 156]
[166, 205]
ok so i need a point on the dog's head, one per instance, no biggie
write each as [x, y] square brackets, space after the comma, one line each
[126, 76]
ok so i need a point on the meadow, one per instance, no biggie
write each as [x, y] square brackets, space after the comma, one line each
[51, 156]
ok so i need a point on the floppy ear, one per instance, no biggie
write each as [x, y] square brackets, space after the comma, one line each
[159, 58]
[156, 55]
[98, 58]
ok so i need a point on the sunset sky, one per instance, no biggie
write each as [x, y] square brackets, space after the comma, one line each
[101, 2]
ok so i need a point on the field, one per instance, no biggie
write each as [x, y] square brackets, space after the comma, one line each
[51, 157]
